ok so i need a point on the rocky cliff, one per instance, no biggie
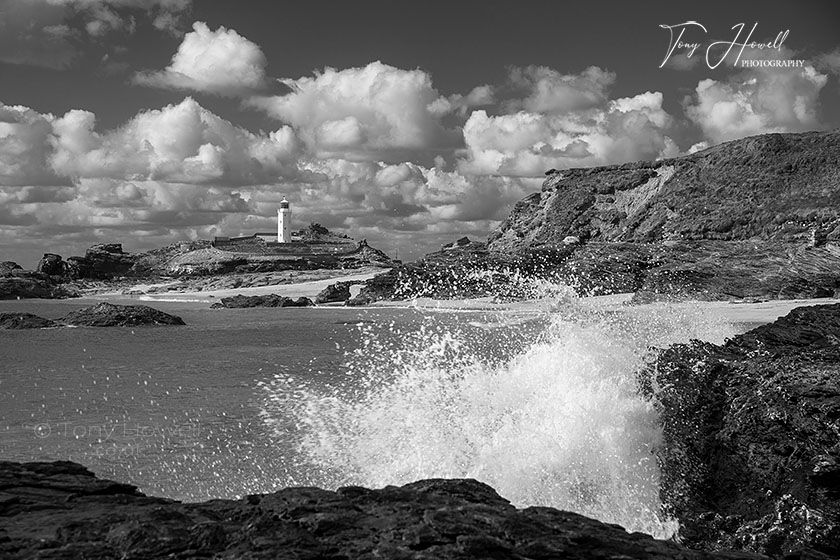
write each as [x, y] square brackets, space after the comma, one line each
[751, 457]
[758, 217]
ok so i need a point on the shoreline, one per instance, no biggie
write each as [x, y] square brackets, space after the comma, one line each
[311, 284]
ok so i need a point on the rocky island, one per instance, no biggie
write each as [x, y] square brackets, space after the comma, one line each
[100, 315]
[189, 266]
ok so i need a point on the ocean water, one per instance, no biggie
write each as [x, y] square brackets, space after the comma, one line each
[541, 403]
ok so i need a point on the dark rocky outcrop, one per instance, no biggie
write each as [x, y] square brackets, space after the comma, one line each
[268, 300]
[17, 283]
[101, 262]
[752, 454]
[61, 510]
[17, 321]
[109, 315]
[51, 265]
[338, 292]
[6, 267]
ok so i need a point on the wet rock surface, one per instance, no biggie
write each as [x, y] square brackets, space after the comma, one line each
[338, 292]
[752, 455]
[109, 315]
[61, 510]
[269, 300]
[18, 321]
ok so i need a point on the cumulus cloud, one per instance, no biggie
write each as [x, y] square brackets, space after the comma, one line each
[548, 91]
[479, 96]
[25, 147]
[176, 171]
[181, 143]
[361, 113]
[527, 144]
[756, 102]
[221, 62]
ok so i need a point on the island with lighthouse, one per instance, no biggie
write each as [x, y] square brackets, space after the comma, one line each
[310, 255]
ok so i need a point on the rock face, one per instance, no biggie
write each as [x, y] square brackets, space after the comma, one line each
[6, 267]
[17, 321]
[269, 300]
[777, 187]
[51, 265]
[338, 292]
[752, 454]
[61, 510]
[101, 262]
[109, 315]
[17, 283]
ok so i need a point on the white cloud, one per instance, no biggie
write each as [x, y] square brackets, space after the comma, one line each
[548, 91]
[526, 144]
[24, 147]
[221, 62]
[756, 102]
[181, 143]
[361, 113]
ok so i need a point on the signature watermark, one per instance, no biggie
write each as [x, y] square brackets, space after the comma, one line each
[683, 41]
[121, 440]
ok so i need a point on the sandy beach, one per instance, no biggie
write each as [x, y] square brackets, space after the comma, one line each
[732, 311]
[309, 287]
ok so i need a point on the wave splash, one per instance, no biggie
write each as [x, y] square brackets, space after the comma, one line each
[556, 423]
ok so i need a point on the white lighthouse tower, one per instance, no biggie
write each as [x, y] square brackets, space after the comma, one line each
[284, 222]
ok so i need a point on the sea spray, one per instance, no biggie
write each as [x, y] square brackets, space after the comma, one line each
[551, 417]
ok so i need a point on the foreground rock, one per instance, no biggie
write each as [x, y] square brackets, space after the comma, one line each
[109, 315]
[269, 300]
[60, 510]
[18, 321]
[752, 454]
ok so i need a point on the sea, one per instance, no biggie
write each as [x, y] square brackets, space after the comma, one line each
[540, 401]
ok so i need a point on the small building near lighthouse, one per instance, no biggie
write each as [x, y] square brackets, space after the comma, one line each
[284, 222]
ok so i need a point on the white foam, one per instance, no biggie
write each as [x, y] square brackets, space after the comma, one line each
[559, 424]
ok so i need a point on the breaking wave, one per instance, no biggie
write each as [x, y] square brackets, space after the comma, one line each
[547, 414]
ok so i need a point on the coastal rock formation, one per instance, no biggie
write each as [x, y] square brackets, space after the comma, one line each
[101, 262]
[17, 283]
[758, 217]
[109, 315]
[6, 267]
[51, 265]
[751, 456]
[338, 292]
[61, 510]
[268, 300]
[753, 218]
[17, 321]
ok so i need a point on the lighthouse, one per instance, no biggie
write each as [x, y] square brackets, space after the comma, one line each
[284, 222]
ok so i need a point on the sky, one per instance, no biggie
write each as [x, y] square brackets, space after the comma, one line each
[146, 122]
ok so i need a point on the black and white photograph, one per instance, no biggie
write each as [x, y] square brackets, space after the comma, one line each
[359, 279]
